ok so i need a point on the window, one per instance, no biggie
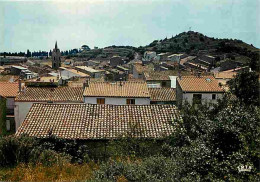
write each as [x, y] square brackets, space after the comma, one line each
[8, 125]
[130, 101]
[100, 100]
[163, 84]
[213, 96]
[197, 98]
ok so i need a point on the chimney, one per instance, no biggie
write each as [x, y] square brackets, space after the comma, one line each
[121, 81]
[86, 84]
[20, 85]
[179, 75]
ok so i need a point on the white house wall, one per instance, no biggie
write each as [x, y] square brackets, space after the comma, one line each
[206, 97]
[66, 73]
[20, 111]
[10, 102]
[117, 100]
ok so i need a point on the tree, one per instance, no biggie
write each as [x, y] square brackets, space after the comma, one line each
[246, 87]
[254, 63]
[210, 143]
[2, 116]
[28, 54]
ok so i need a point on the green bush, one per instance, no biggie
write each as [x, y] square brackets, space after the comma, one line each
[15, 150]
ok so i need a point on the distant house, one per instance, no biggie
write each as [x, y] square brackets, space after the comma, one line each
[138, 71]
[207, 59]
[16, 70]
[163, 95]
[26, 74]
[198, 89]
[195, 66]
[23, 72]
[117, 75]
[116, 60]
[176, 57]
[117, 93]
[45, 80]
[224, 76]
[67, 73]
[31, 95]
[10, 60]
[163, 56]
[186, 59]
[149, 56]
[93, 63]
[90, 71]
[158, 79]
[9, 91]
[124, 69]
[99, 122]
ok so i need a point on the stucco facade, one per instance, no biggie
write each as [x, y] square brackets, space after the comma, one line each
[65, 73]
[117, 100]
[206, 97]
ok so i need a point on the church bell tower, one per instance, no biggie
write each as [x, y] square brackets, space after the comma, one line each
[56, 57]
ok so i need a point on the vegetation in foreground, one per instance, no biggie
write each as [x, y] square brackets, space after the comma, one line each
[211, 143]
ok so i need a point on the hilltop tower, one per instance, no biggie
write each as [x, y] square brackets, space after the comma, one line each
[56, 60]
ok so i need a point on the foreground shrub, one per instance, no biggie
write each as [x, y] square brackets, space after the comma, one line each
[15, 150]
[150, 169]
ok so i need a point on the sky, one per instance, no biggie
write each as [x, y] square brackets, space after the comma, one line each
[36, 25]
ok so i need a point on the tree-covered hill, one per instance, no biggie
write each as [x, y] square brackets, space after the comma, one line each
[194, 41]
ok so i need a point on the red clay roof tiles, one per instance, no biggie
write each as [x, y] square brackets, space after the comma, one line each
[8, 89]
[117, 89]
[87, 121]
[163, 94]
[57, 94]
[199, 84]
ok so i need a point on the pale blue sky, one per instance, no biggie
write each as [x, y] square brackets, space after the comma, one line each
[37, 25]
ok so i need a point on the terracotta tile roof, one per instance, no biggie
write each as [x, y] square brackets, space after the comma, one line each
[87, 121]
[225, 75]
[159, 75]
[56, 94]
[199, 84]
[8, 89]
[117, 89]
[162, 94]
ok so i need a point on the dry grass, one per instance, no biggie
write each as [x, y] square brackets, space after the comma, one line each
[66, 172]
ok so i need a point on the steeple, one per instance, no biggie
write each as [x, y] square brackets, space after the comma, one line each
[56, 57]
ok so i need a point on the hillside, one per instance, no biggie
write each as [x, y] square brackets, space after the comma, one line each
[195, 43]
[192, 42]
